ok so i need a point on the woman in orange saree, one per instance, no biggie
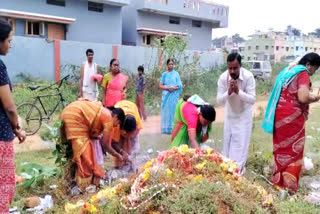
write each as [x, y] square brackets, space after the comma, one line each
[83, 122]
[114, 85]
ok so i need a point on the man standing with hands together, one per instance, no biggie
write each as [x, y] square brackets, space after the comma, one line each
[236, 90]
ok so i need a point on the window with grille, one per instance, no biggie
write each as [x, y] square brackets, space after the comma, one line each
[96, 7]
[61, 3]
[196, 23]
[146, 39]
[34, 28]
[174, 20]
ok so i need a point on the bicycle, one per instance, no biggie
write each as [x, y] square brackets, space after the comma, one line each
[30, 113]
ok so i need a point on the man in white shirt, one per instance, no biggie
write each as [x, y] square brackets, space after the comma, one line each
[88, 86]
[236, 90]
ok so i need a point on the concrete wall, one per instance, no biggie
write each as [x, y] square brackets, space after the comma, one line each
[36, 57]
[265, 48]
[199, 38]
[300, 44]
[89, 26]
[30, 56]
[209, 59]
[129, 25]
[131, 57]
[280, 53]
[75, 52]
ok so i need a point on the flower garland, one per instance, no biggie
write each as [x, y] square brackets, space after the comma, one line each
[163, 186]
[171, 170]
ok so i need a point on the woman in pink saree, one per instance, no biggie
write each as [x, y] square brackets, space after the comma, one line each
[114, 85]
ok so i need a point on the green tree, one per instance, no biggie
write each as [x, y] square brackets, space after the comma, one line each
[236, 38]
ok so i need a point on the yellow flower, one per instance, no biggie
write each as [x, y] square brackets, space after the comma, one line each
[198, 178]
[169, 172]
[268, 200]
[93, 209]
[261, 190]
[233, 165]
[228, 176]
[146, 175]
[224, 166]
[201, 165]
[209, 151]
[277, 187]
[147, 165]
[93, 199]
[183, 149]
[89, 208]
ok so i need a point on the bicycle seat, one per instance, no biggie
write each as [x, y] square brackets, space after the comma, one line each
[33, 87]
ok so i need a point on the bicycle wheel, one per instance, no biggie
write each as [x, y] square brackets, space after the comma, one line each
[31, 118]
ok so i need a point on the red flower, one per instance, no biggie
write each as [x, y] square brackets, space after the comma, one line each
[187, 166]
[212, 158]
[219, 160]
[160, 158]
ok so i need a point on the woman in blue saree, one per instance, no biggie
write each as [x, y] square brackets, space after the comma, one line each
[171, 87]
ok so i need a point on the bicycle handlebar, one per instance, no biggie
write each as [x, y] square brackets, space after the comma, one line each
[59, 83]
[64, 78]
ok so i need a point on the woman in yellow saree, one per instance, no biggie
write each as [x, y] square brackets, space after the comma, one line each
[83, 122]
[126, 137]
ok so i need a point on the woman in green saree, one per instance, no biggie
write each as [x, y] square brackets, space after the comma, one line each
[192, 122]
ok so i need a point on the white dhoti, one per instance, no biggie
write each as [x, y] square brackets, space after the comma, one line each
[237, 134]
[89, 96]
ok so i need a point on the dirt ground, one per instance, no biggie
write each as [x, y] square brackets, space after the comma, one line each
[32, 143]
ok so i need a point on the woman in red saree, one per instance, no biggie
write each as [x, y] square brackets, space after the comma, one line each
[114, 85]
[289, 124]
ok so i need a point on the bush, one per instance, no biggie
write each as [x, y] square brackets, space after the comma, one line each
[196, 197]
